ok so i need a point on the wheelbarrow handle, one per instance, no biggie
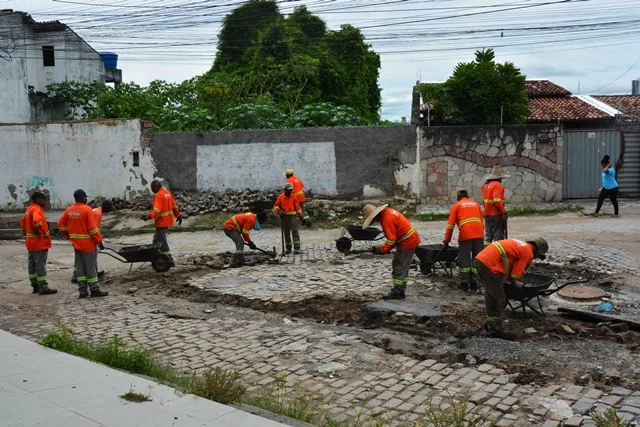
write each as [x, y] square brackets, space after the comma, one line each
[573, 282]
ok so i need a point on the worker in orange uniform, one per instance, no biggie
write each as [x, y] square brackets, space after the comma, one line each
[468, 216]
[38, 241]
[163, 213]
[298, 191]
[104, 208]
[78, 224]
[401, 235]
[504, 260]
[238, 227]
[495, 213]
[288, 208]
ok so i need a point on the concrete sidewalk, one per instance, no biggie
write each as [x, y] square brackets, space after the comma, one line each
[44, 387]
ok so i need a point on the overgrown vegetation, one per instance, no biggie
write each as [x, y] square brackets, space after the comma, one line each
[609, 418]
[132, 396]
[480, 92]
[516, 211]
[270, 72]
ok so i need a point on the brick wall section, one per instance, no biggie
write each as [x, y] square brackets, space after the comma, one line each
[457, 157]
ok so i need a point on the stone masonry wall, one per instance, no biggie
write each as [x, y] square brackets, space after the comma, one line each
[455, 158]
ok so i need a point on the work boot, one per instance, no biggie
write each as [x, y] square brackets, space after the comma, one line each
[83, 295]
[44, 289]
[397, 292]
[99, 293]
[100, 274]
[35, 287]
[288, 251]
[297, 251]
[238, 260]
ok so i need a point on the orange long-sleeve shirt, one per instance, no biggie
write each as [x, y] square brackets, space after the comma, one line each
[165, 209]
[510, 257]
[78, 224]
[298, 188]
[35, 228]
[468, 216]
[242, 223]
[493, 196]
[398, 231]
[288, 205]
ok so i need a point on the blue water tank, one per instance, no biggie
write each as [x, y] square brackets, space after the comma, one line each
[110, 59]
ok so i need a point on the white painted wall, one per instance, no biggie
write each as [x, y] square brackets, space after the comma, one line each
[62, 157]
[261, 166]
[24, 66]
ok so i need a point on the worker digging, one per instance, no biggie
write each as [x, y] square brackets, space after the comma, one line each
[238, 227]
[105, 207]
[467, 215]
[500, 262]
[298, 191]
[78, 224]
[165, 209]
[38, 242]
[288, 208]
[401, 235]
[495, 213]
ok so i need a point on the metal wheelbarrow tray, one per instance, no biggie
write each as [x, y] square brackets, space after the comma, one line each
[141, 253]
[533, 286]
[357, 233]
[433, 256]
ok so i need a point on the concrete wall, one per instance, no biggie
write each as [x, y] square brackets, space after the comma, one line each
[366, 161]
[58, 158]
[23, 66]
[459, 157]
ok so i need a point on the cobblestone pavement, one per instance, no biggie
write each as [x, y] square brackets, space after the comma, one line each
[339, 364]
[347, 375]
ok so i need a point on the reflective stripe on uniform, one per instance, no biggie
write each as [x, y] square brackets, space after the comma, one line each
[505, 259]
[156, 210]
[42, 278]
[486, 242]
[496, 200]
[33, 276]
[79, 236]
[391, 242]
[62, 228]
[92, 280]
[398, 281]
[465, 269]
[245, 232]
[450, 226]
[163, 214]
[465, 221]
[235, 222]
[166, 253]
[406, 236]
[37, 224]
[94, 231]
[298, 193]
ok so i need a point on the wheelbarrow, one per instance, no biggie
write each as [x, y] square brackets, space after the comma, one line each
[353, 233]
[533, 286]
[141, 253]
[433, 257]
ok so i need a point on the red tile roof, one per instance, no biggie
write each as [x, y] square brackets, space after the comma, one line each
[538, 88]
[629, 105]
[563, 108]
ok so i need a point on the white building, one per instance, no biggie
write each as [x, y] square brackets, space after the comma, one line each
[36, 54]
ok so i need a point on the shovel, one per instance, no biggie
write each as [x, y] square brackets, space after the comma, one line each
[272, 254]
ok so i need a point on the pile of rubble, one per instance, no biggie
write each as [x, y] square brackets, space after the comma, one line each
[225, 260]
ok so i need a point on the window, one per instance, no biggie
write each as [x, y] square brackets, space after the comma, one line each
[48, 56]
[136, 158]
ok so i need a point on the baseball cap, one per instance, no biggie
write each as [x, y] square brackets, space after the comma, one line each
[79, 193]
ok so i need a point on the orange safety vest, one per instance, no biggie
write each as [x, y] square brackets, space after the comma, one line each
[98, 214]
[78, 224]
[35, 228]
[398, 230]
[242, 223]
[493, 196]
[288, 205]
[164, 209]
[468, 215]
[298, 188]
[510, 257]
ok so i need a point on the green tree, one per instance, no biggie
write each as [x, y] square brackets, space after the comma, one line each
[481, 92]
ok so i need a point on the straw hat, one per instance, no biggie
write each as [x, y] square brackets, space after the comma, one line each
[370, 212]
[496, 173]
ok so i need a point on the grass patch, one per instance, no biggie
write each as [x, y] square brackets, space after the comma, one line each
[431, 216]
[609, 418]
[530, 210]
[132, 396]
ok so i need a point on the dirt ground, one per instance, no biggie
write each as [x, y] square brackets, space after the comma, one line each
[584, 352]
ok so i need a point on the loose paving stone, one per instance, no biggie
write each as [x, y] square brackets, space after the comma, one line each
[583, 405]
[621, 391]
[574, 422]
[550, 423]
[611, 400]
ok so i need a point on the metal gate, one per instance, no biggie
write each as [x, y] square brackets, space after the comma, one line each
[629, 175]
[583, 150]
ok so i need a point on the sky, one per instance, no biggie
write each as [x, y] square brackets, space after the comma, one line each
[586, 46]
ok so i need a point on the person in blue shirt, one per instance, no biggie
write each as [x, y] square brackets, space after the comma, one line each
[609, 186]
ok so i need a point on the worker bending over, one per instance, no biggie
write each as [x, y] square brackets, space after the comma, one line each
[467, 215]
[78, 224]
[104, 208]
[504, 260]
[164, 211]
[401, 235]
[38, 241]
[238, 227]
[288, 208]
[495, 213]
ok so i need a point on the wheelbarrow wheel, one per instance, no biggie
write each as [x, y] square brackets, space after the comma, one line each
[161, 264]
[343, 244]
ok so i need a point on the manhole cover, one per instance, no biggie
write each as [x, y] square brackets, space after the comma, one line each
[581, 293]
